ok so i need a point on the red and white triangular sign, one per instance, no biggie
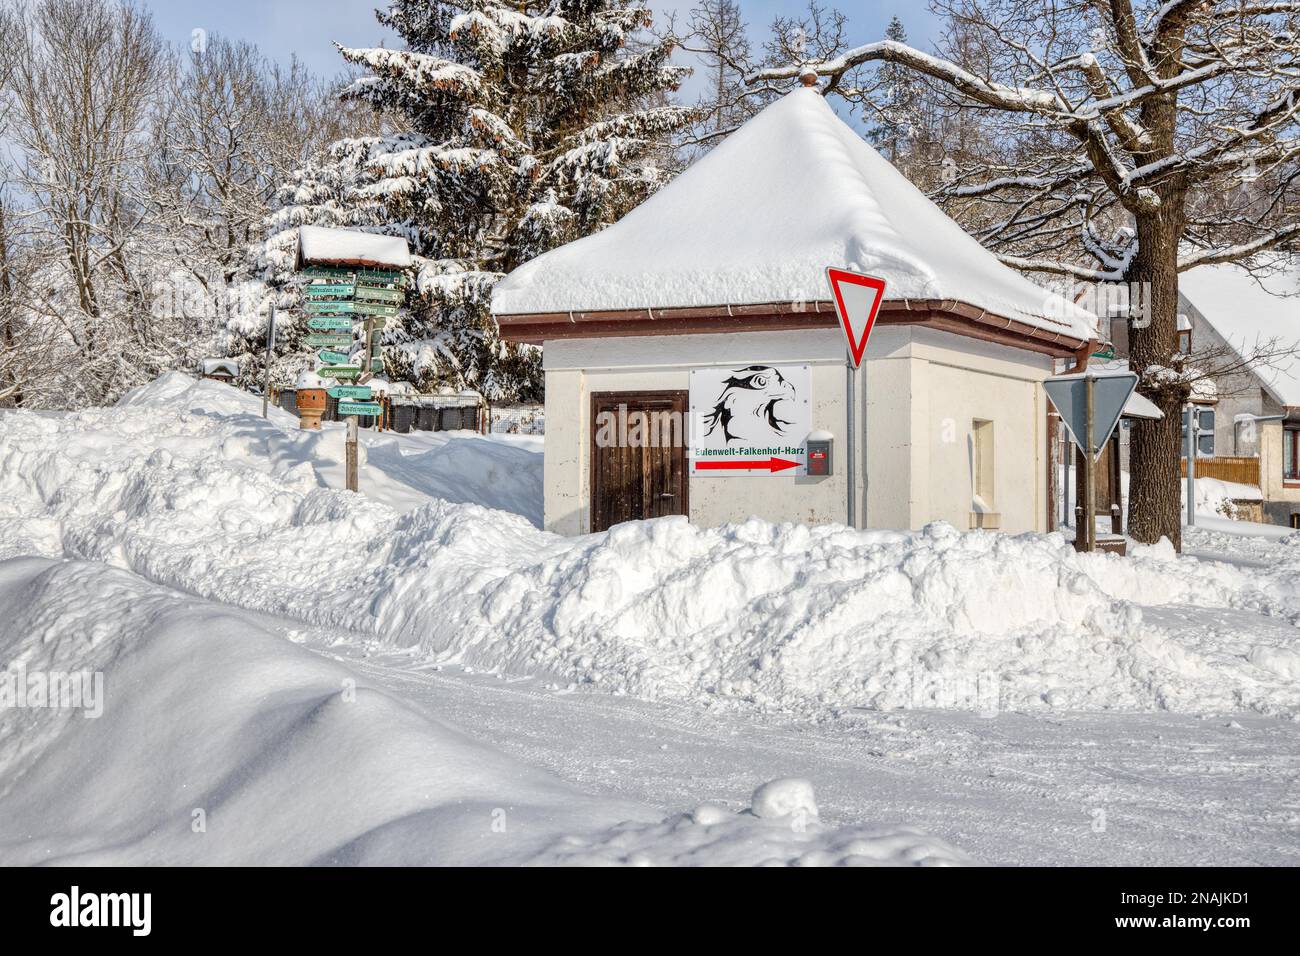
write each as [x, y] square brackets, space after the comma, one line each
[857, 300]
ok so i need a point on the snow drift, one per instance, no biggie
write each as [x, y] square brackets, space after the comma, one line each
[220, 742]
[182, 483]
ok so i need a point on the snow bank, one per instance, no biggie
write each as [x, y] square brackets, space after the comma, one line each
[220, 742]
[210, 499]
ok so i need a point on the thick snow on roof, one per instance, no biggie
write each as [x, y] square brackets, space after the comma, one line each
[761, 217]
[213, 365]
[318, 244]
[1251, 311]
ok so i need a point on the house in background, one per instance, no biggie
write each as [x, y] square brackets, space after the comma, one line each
[1247, 325]
[709, 304]
[1237, 314]
[220, 369]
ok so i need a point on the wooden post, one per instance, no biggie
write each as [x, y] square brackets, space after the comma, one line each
[350, 455]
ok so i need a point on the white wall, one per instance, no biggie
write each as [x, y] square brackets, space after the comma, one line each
[920, 390]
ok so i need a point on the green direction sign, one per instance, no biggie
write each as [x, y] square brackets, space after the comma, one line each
[332, 358]
[359, 408]
[373, 294]
[325, 290]
[327, 306]
[328, 340]
[376, 364]
[329, 272]
[381, 276]
[338, 371]
[373, 308]
[329, 323]
[361, 392]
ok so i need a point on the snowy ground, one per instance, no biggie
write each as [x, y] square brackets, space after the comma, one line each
[293, 661]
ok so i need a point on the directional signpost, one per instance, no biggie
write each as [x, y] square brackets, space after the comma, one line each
[338, 371]
[1090, 404]
[329, 323]
[329, 290]
[360, 408]
[340, 302]
[857, 302]
[329, 306]
[358, 392]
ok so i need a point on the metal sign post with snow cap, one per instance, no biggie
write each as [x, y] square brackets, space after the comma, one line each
[857, 302]
[1090, 404]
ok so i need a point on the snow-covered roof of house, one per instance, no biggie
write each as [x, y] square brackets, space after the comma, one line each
[1253, 310]
[324, 246]
[211, 366]
[1139, 406]
[761, 217]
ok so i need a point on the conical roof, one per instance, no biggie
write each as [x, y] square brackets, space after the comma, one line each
[761, 217]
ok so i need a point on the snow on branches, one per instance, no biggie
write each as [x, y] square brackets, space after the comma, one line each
[526, 125]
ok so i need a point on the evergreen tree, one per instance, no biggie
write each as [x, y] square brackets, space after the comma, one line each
[528, 124]
[897, 109]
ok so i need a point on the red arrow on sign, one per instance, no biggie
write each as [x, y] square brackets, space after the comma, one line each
[750, 464]
[857, 300]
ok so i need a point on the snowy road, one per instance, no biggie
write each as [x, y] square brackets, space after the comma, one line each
[1095, 789]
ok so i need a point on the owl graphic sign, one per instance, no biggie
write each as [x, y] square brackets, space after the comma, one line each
[750, 419]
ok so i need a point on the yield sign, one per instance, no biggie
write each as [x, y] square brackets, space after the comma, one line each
[1110, 391]
[857, 300]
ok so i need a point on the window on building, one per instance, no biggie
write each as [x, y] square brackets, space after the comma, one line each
[1291, 454]
[1184, 334]
[982, 465]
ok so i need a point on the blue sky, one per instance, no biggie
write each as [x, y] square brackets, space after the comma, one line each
[307, 27]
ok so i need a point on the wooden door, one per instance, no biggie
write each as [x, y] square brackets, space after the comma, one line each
[638, 456]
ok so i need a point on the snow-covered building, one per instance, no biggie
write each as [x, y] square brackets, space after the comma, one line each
[713, 294]
[220, 369]
[1250, 321]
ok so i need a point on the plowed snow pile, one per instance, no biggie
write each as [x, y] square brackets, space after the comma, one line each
[186, 485]
[216, 741]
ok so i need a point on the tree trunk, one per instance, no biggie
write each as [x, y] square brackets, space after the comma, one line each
[1154, 510]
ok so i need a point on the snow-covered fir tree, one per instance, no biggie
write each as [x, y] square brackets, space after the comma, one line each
[526, 125]
[896, 107]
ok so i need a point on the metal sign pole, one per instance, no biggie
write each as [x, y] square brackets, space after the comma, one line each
[1193, 434]
[1089, 472]
[860, 378]
[1066, 515]
[850, 426]
[266, 377]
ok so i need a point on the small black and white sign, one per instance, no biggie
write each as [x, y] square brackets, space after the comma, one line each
[750, 419]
